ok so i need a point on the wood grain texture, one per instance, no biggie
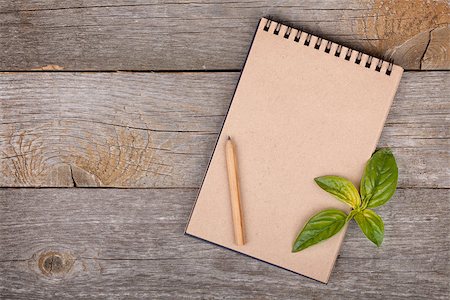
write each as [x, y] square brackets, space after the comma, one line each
[186, 35]
[126, 243]
[159, 129]
[436, 54]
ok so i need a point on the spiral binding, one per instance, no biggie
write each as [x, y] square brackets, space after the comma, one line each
[338, 52]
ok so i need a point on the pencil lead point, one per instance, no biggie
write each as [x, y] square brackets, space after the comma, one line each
[229, 137]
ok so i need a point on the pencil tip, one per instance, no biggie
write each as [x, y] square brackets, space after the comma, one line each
[229, 137]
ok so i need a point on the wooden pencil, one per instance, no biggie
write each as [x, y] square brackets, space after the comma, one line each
[235, 194]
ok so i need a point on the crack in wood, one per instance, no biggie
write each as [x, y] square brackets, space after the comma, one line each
[71, 175]
[426, 49]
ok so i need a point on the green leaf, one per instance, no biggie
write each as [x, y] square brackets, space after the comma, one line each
[340, 188]
[379, 180]
[351, 214]
[320, 227]
[372, 225]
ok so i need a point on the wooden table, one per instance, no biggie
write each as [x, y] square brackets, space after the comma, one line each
[112, 108]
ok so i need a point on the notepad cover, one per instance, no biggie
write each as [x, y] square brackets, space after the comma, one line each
[297, 113]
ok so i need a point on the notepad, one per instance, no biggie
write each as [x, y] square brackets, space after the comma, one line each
[304, 107]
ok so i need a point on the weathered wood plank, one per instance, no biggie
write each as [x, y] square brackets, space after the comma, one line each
[168, 35]
[130, 244]
[159, 129]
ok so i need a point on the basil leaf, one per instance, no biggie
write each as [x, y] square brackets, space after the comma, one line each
[320, 227]
[379, 180]
[340, 188]
[372, 225]
[351, 215]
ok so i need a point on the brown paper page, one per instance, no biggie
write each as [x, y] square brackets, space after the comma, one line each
[298, 112]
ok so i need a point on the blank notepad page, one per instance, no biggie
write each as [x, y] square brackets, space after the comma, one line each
[304, 107]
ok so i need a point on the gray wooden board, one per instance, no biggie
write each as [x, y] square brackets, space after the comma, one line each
[158, 129]
[129, 243]
[186, 35]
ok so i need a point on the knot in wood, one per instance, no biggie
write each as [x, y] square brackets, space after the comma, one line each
[55, 263]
